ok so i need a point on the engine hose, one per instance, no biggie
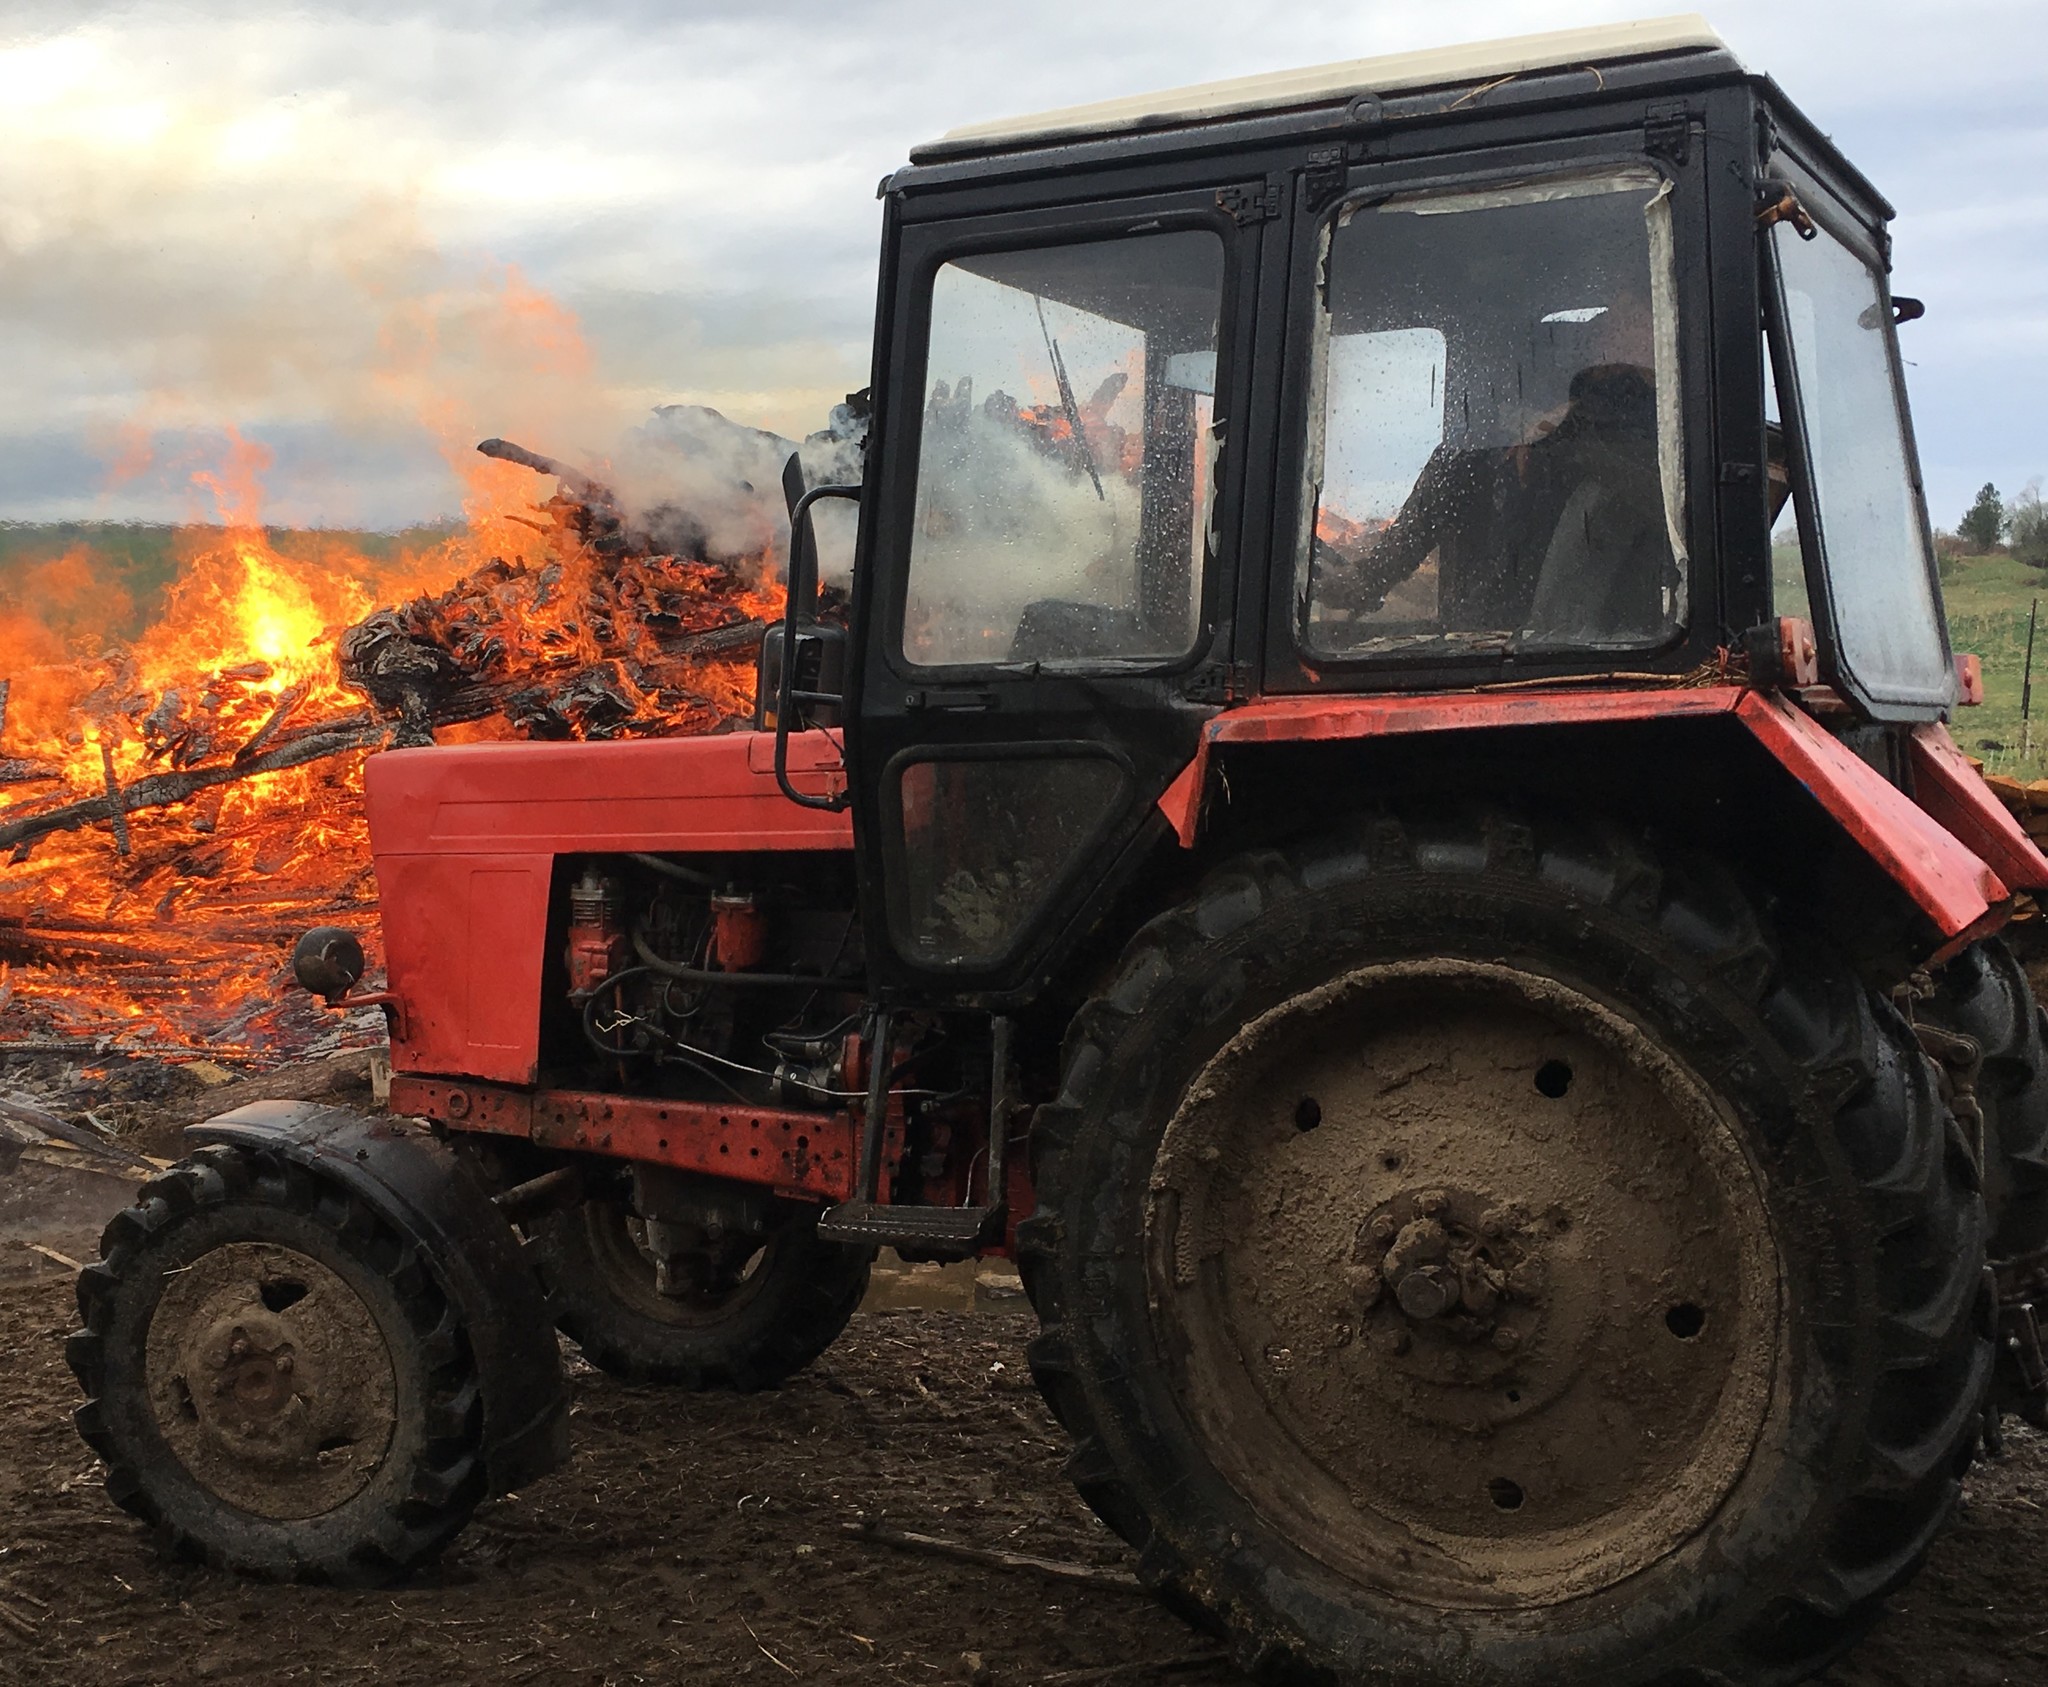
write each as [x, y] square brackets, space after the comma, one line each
[674, 870]
[702, 975]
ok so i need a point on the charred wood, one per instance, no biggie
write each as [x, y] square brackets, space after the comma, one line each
[159, 790]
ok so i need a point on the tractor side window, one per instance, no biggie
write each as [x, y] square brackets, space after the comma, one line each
[1497, 462]
[1874, 551]
[1066, 463]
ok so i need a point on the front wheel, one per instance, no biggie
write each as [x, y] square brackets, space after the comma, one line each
[1482, 1254]
[274, 1376]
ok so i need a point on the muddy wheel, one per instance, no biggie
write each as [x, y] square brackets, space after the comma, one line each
[741, 1313]
[273, 1379]
[1983, 995]
[1478, 1253]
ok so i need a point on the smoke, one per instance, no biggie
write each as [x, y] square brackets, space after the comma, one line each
[1004, 522]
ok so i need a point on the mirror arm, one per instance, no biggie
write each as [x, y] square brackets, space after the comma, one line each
[802, 561]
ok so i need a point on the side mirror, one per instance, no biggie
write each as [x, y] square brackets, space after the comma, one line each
[800, 631]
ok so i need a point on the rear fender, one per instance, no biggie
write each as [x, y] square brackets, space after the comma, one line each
[416, 1183]
[1949, 850]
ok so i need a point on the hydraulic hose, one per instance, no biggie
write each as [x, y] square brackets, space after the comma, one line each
[674, 870]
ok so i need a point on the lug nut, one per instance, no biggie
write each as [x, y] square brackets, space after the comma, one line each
[1426, 1292]
[284, 1364]
[1384, 1229]
[1367, 1284]
[1506, 1340]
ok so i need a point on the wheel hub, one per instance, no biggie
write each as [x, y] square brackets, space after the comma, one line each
[271, 1380]
[1472, 1280]
[1452, 1260]
[250, 1376]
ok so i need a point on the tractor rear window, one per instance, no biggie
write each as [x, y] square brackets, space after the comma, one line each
[1496, 463]
[1067, 457]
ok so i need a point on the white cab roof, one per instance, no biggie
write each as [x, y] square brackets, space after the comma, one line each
[1481, 61]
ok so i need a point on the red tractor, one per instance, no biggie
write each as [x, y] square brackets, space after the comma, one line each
[1321, 825]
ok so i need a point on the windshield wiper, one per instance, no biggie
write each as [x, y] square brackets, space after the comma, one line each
[1073, 410]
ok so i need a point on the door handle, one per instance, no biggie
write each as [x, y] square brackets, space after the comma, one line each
[951, 702]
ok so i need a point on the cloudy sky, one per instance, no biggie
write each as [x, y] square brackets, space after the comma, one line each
[365, 234]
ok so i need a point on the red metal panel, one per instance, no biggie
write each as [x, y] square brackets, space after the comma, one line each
[716, 793]
[1948, 787]
[508, 908]
[1953, 886]
[808, 1156]
[463, 942]
[1958, 891]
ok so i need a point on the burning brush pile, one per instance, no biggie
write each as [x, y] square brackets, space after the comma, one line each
[176, 810]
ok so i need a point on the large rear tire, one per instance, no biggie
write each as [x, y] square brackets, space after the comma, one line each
[1479, 1253]
[747, 1318]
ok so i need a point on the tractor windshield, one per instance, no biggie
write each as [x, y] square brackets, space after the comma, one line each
[1497, 458]
[1065, 469]
[1859, 494]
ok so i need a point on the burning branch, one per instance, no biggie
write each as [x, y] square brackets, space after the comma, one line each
[117, 811]
[160, 790]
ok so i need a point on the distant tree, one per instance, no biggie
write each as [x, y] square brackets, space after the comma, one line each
[2027, 524]
[1983, 524]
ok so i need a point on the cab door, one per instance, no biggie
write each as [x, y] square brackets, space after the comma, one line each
[1043, 621]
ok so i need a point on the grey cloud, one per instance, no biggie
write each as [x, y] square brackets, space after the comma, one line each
[714, 227]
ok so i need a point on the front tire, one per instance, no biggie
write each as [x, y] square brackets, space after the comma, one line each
[1480, 1253]
[274, 1379]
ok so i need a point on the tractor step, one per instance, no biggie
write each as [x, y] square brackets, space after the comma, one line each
[932, 1229]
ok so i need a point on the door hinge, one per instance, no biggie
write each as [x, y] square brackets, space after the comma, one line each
[1667, 133]
[1325, 178]
[1219, 682]
[1250, 204]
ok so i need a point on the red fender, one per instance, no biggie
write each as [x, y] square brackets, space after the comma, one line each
[1955, 851]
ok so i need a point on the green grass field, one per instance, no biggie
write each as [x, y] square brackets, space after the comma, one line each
[1988, 601]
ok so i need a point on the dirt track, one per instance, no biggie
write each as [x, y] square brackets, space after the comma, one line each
[698, 1539]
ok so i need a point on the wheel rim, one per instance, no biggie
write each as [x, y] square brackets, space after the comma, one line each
[1471, 1286]
[701, 1288]
[271, 1380]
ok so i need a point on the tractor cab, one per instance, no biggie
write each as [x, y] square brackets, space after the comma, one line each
[1452, 373]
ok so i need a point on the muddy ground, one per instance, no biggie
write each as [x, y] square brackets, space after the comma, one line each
[700, 1539]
